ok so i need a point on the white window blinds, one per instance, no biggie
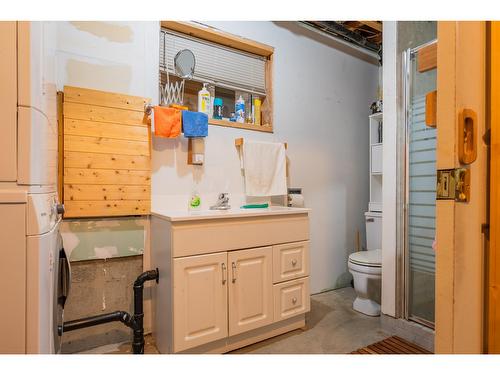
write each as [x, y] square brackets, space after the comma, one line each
[216, 64]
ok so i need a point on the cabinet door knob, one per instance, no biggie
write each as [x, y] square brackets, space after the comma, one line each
[294, 300]
[233, 266]
[294, 262]
[223, 273]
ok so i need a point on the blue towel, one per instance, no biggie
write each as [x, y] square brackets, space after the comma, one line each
[194, 124]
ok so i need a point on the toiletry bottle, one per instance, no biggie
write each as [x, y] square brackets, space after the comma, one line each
[211, 90]
[204, 100]
[249, 111]
[218, 105]
[240, 110]
[194, 201]
[256, 111]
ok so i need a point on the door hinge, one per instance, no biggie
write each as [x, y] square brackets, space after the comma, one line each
[453, 184]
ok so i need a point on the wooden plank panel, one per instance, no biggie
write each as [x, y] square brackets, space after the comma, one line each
[73, 159]
[106, 208]
[105, 129]
[80, 111]
[427, 58]
[104, 99]
[106, 176]
[105, 145]
[77, 192]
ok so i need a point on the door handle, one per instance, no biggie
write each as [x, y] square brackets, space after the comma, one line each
[467, 136]
[233, 267]
[224, 279]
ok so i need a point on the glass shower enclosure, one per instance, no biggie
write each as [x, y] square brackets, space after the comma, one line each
[419, 192]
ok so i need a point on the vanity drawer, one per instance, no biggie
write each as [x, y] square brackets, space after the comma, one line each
[291, 298]
[290, 261]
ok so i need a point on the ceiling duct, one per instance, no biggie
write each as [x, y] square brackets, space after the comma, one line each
[354, 36]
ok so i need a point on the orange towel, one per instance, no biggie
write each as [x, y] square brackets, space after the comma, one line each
[167, 122]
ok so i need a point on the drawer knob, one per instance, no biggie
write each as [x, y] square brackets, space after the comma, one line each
[294, 262]
[294, 300]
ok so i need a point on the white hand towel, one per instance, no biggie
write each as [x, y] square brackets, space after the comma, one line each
[265, 168]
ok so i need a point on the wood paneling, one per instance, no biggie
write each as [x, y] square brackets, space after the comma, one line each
[107, 208]
[105, 130]
[74, 159]
[427, 58]
[106, 142]
[80, 192]
[80, 111]
[105, 145]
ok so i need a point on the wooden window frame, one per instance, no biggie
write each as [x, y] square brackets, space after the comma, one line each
[242, 44]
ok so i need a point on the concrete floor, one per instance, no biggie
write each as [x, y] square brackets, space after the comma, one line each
[332, 327]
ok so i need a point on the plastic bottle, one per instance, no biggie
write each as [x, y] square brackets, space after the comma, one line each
[204, 100]
[240, 110]
[256, 111]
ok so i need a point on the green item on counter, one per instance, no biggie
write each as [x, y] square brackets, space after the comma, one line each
[263, 205]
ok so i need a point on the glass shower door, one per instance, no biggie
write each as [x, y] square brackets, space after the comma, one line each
[420, 199]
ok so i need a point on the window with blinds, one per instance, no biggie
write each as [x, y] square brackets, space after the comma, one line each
[219, 65]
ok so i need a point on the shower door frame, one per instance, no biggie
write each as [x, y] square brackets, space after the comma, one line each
[404, 191]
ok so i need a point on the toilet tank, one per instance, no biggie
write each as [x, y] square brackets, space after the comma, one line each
[373, 221]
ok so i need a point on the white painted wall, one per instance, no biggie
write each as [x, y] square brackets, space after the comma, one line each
[321, 106]
[389, 253]
[322, 94]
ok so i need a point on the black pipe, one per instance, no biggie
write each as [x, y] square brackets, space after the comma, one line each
[138, 318]
[117, 316]
[136, 321]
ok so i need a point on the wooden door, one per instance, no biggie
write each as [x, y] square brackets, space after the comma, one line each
[200, 300]
[493, 260]
[460, 242]
[250, 289]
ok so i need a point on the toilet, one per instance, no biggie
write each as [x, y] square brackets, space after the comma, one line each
[366, 268]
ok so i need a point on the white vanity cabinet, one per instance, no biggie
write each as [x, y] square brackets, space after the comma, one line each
[230, 280]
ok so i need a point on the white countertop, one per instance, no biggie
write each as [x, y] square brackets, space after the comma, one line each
[226, 214]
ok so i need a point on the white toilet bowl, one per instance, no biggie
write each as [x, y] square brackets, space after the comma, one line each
[366, 270]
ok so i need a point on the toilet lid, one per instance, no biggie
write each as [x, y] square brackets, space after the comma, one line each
[372, 258]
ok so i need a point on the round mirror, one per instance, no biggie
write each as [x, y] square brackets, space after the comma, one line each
[184, 63]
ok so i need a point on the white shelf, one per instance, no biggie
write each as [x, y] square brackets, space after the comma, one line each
[376, 150]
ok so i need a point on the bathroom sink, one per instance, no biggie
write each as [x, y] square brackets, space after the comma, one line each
[232, 212]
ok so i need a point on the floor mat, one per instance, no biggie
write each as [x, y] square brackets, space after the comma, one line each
[392, 345]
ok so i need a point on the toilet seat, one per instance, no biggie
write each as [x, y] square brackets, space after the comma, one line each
[368, 258]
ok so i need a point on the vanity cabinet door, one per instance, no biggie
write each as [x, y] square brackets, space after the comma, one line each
[200, 300]
[250, 289]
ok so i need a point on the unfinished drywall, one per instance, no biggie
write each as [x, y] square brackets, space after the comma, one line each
[321, 99]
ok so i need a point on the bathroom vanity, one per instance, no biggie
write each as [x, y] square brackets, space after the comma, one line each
[228, 278]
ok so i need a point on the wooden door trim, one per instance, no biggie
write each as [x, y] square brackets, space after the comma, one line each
[493, 260]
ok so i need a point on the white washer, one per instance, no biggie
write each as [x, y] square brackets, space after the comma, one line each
[35, 278]
[43, 274]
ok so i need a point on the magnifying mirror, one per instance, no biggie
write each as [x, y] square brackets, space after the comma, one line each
[184, 63]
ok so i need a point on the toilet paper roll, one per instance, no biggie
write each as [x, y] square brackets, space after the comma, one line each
[295, 200]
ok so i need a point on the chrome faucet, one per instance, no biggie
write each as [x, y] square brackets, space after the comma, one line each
[222, 202]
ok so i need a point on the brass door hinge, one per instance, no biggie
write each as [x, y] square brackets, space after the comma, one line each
[453, 184]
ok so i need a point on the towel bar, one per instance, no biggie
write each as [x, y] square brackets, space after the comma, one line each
[239, 142]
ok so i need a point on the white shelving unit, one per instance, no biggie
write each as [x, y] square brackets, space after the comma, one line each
[376, 149]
